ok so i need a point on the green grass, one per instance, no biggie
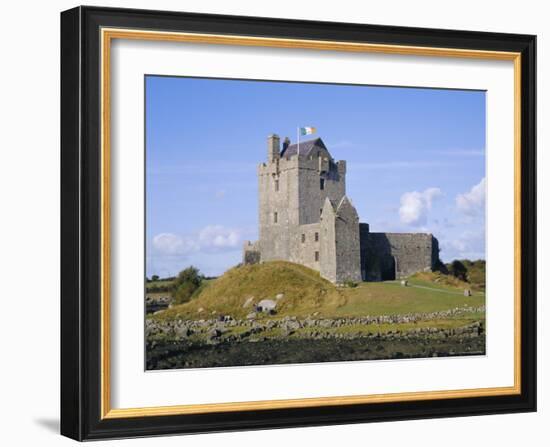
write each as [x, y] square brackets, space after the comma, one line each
[390, 298]
[305, 293]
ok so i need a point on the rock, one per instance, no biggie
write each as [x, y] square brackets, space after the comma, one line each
[199, 310]
[404, 283]
[266, 305]
[279, 296]
[290, 325]
[248, 301]
[467, 292]
[214, 333]
[251, 316]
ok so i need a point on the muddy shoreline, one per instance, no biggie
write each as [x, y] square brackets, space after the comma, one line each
[183, 354]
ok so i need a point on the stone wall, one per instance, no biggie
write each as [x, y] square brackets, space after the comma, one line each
[340, 243]
[311, 197]
[304, 243]
[348, 257]
[251, 253]
[386, 256]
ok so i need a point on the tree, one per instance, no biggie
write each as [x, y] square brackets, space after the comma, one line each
[185, 284]
[155, 278]
[459, 270]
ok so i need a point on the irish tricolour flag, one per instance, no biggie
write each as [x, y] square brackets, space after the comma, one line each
[307, 130]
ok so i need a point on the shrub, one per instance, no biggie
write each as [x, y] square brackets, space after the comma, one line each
[185, 284]
[458, 270]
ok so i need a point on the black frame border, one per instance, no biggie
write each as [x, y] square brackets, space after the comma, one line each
[81, 223]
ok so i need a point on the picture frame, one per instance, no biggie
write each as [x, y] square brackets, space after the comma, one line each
[87, 34]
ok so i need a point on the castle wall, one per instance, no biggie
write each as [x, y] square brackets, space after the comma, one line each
[387, 256]
[340, 249]
[310, 195]
[348, 257]
[327, 266]
[303, 245]
[251, 253]
[275, 232]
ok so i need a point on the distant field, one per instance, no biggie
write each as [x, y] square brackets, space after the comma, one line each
[162, 283]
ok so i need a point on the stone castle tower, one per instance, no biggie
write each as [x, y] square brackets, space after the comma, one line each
[305, 217]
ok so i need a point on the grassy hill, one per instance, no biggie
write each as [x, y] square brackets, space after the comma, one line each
[304, 293]
[303, 289]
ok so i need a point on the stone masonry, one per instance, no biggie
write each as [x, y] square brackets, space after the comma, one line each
[305, 217]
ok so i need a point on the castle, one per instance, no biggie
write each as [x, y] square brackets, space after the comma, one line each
[305, 217]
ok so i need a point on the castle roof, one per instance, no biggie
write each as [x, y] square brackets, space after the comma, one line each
[306, 147]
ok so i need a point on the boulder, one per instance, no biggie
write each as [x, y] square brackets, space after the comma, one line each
[266, 305]
[214, 333]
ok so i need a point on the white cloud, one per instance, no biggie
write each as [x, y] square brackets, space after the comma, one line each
[468, 245]
[472, 202]
[217, 237]
[415, 206]
[172, 244]
[212, 238]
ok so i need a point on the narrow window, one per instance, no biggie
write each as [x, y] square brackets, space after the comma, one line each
[275, 217]
[303, 238]
[320, 211]
[316, 256]
[322, 183]
[316, 237]
[276, 185]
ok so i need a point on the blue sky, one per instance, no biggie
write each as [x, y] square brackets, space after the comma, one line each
[415, 158]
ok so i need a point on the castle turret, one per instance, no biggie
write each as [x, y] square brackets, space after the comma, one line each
[273, 148]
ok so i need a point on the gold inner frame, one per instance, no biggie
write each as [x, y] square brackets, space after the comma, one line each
[107, 35]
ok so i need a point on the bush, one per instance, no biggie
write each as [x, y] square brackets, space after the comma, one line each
[459, 270]
[186, 283]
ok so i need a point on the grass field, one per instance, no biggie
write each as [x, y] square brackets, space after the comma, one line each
[306, 293]
[391, 298]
